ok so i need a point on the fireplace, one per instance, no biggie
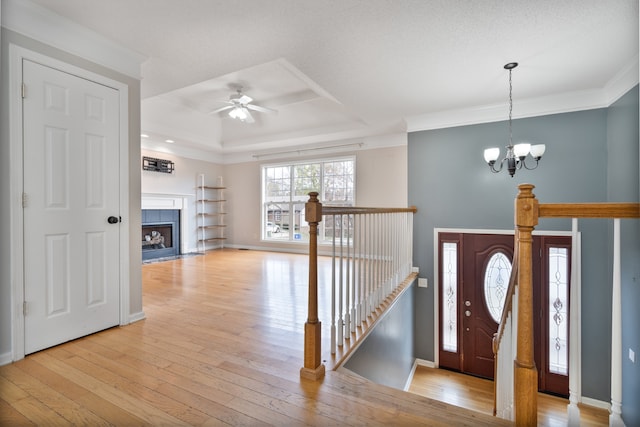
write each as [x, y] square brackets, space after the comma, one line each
[160, 235]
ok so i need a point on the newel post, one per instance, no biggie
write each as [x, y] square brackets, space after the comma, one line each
[313, 368]
[525, 372]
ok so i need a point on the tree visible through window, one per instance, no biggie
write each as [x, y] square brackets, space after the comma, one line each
[285, 190]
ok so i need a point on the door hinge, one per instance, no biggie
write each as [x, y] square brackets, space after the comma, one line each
[24, 308]
[24, 200]
[23, 90]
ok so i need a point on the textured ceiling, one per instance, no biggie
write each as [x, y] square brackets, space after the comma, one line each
[345, 69]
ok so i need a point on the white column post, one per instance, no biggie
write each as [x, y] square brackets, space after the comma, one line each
[573, 411]
[615, 418]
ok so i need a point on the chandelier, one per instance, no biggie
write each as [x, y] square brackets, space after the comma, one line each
[516, 154]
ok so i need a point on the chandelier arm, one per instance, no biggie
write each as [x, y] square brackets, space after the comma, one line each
[493, 168]
[530, 168]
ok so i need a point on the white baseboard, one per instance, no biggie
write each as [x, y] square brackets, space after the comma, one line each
[407, 385]
[595, 403]
[137, 316]
[5, 358]
[427, 363]
[417, 362]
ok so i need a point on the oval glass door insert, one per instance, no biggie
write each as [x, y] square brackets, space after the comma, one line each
[496, 282]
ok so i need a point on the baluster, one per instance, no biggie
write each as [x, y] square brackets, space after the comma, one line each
[361, 219]
[334, 338]
[354, 296]
[347, 287]
[340, 288]
[573, 410]
[615, 417]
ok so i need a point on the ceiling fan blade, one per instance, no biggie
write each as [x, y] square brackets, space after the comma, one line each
[244, 99]
[261, 109]
[249, 118]
[228, 107]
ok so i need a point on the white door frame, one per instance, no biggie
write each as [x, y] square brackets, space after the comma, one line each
[575, 353]
[16, 184]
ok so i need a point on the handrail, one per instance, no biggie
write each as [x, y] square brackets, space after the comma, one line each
[347, 210]
[589, 210]
[508, 299]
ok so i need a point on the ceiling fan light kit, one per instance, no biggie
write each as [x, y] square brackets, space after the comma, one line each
[239, 106]
[516, 154]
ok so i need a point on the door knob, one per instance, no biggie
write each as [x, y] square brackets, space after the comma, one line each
[467, 313]
[113, 220]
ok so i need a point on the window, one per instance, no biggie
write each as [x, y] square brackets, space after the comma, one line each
[496, 283]
[558, 310]
[285, 190]
[449, 270]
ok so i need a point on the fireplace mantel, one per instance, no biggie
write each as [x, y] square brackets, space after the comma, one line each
[173, 201]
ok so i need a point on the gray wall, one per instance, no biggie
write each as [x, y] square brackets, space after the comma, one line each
[386, 356]
[452, 188]
[623, 186]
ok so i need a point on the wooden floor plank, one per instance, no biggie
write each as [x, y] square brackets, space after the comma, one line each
[10, 416]
[222, 344]
[477, 394]
[71, 411]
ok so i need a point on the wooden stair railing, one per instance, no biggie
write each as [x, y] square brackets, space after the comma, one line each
[371, 262]
[527, 212]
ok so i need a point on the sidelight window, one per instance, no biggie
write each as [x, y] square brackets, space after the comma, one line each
[558, 315]
[449, 296]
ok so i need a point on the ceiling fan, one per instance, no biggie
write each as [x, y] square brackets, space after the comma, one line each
[240, 105]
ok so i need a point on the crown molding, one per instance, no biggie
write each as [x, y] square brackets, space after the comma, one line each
[566, 102]
[622, 82]
[39, 23]
[185, 152]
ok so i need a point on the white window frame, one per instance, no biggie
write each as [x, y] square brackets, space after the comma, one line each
[293, 199]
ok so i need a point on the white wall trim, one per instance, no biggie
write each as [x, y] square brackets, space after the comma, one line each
[39, 23]
[16, 56]
[134, 317]
[416, 363]
[426, 363]
[186, 152]
[5, 359]
[620, 84]
[595, 403]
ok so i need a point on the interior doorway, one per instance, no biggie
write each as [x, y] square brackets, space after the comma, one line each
[474, 271]
[71, 271]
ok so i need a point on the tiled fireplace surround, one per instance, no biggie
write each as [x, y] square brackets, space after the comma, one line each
[173, 201]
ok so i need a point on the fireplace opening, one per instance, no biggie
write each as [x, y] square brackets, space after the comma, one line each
[160, 234]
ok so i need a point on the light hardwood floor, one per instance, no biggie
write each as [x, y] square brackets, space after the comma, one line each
[222, 344]
[477, 394]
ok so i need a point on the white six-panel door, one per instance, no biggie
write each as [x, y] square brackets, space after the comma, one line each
[71, 187]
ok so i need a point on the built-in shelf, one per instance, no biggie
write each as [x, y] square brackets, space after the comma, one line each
[211, 212]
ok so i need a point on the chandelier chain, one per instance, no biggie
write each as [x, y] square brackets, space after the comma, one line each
[510, 107]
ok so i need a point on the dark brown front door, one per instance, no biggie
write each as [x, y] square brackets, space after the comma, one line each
[473, 283]
[482, 252]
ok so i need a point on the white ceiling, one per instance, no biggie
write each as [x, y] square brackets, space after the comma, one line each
[350, 69]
